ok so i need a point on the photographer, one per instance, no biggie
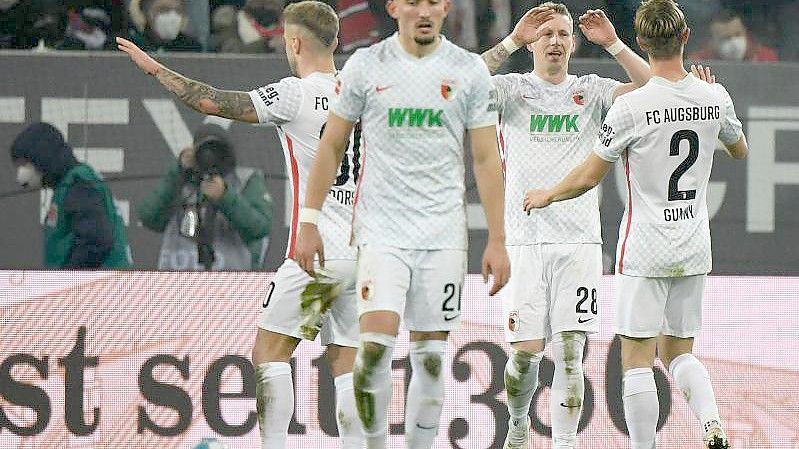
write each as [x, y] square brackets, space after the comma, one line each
[214, 216]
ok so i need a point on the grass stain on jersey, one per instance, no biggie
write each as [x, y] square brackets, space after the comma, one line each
[553, 123]
[414, 117]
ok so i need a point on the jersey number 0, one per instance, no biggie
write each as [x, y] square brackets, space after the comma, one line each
[344, 170]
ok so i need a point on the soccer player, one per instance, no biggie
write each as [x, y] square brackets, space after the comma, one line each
[415, 94]
[549, 120]
[298, 106]
[667, 132]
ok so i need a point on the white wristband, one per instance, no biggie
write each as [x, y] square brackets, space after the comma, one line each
[509, 45]
[616, 47]
[308, 215]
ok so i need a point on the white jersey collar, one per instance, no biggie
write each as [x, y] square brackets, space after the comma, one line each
[681, 84]
[395, 43]
[565, 84]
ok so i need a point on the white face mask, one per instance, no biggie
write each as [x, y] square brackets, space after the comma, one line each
[167, 25]
[28, 177]
[733, 49]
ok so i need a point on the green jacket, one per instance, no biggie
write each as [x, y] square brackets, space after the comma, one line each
[61, 233]
[244, 220]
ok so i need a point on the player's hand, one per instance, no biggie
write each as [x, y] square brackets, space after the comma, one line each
[528, 29]
[497, 264]
[309, 244]
[703, 73]
[213, 187]
[536, 199]
[597, 28]
[148, 65]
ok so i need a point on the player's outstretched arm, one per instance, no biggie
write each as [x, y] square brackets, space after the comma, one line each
[488, 174]
[201, 97]
[583, 178]
[598, 29]
[328, 158]
[526, 31]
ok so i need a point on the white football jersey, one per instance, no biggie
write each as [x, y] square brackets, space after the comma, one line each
[414, 113]
[667, 132]
[546, 130]
[299, 108]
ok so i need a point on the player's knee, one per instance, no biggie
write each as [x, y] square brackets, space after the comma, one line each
[568, 349]
[522, 360]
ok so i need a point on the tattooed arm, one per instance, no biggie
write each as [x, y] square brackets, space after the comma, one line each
[199, 96]
[527, 31]
[495, 57]
[209, 100]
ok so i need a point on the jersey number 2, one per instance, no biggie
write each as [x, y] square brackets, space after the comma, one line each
[344, 170]
[675, 194]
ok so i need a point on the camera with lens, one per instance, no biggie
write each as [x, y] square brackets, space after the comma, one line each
[214, 157]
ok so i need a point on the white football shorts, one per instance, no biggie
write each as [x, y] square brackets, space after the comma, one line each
[646, 307]
[552, 288]
[422, 286]
[280, 309]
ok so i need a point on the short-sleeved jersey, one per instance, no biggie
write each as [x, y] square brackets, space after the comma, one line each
[298, 107]
[667, 132]
[414, 112]
[545, 131]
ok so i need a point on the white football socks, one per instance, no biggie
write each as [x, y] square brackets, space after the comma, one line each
[349, 425]
[641, 407]
[692, 378]
[425, 393]
[521, 380]
[568, 388]
[372, 385]
[274, 393]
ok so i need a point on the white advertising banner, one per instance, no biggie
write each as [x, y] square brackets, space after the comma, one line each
[160, 360]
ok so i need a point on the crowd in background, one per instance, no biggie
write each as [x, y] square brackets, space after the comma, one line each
[721, 29]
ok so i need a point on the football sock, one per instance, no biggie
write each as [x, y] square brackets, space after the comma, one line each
[372, 385]
[425, 393]
[274, 397]
[521, 380]
[641, 407]
[693, 380]
[349, 425]
[568, 388]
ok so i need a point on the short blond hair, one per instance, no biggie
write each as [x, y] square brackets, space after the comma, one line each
[559, 8]
[659, 25]
[317, 17]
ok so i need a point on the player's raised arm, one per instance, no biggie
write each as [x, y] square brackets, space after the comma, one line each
[201, 97]
[488, 174]
[526, 31]
[583, 178]
[598, 29]
[328, 158]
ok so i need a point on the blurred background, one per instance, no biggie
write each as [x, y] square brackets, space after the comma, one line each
[60, 66]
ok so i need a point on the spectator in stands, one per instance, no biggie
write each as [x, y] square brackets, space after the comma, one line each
[89, 28]
[16, 24]
[159, 24]
[477, 25]
[82, 228]
[386, 26]
[359, 28]
[213, 214]
[731, 41]
[255, 28]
